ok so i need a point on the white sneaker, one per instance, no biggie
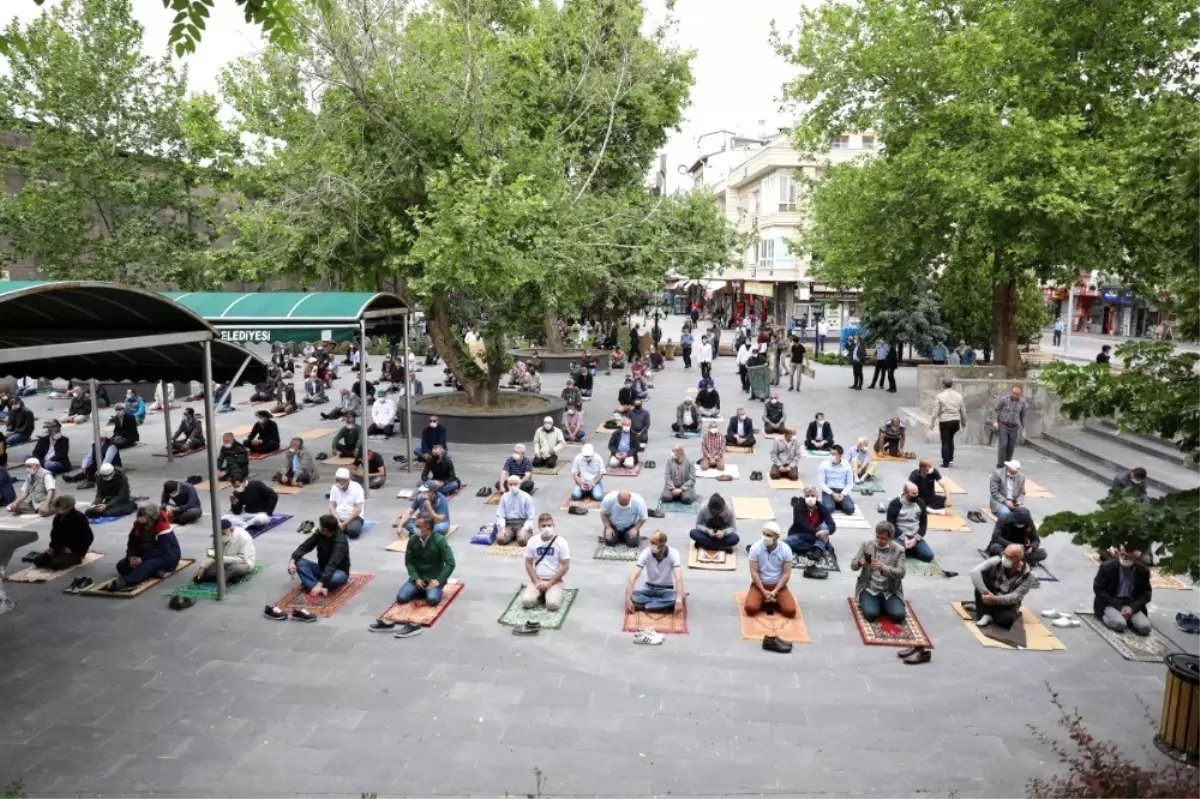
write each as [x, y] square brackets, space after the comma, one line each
[1065, 621]
[1050, 614]
[648, 637]
[984, 621]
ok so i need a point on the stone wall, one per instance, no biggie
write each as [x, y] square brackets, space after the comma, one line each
[981, 387]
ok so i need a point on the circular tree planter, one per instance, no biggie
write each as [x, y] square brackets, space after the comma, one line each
[560, 362]
[515, 419]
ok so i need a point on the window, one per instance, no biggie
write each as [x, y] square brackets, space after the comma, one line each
[766, 254]
[751, 255]
[868, 142]
[787, 192]
[841, 142]
[756, 203]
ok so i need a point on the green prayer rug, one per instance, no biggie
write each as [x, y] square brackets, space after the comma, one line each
[515, 615]
[193, 590]
[932, 569]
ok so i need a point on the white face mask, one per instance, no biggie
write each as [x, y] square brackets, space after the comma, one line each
[547, 533]
[625, 429]
[1126, 562]
[769, 543]
[514, 489]
[517, 456]
[239, 489]
[548, 426]
[1006, 561]
[433, 424]
[810, 501]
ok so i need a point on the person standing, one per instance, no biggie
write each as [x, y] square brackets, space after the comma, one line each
[881, 354]
[950, 415]
[1058, 331]
[889, 366]
[1009, 422]
[685, 346]
[822, 332]
[856, 353]
[798, 352]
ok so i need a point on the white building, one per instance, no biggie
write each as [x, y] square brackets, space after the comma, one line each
[758, 182]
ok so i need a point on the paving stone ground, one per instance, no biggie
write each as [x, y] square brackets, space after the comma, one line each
[113, 697]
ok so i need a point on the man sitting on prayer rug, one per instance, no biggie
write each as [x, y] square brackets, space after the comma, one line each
[679, 478]
[785, 456]
[716, 528]
[663, 570]
[770, 570]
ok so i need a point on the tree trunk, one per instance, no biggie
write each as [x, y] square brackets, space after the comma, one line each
[483, 387]
[554, 340]
[1007, 353]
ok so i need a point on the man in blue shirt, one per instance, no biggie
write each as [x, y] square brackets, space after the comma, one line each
[517, 465]
[770, 571]
[426, 504]
[623, 514]
[881, 353]
[515, 515]
[835, 478]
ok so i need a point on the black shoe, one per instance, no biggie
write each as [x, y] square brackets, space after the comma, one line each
[903, 653]
[922, 655]
[174, 603]
[321, 456]
[528, 628]
[29, 557]
[300, 614]
[407, 631]
[381, 626]
[773, 644]
[274, 613]
[577, 510]
[815, 572]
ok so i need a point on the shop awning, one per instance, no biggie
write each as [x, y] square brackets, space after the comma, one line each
[81, 330]
[263, 317]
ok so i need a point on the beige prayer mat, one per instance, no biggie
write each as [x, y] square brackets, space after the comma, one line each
[753, 508]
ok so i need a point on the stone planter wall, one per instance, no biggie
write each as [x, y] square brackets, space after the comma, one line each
[560, 363]
[467, 427]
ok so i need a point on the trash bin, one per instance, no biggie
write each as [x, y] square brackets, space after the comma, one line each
[1179, 729]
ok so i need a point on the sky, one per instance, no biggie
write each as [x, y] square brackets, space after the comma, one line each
[738, 75]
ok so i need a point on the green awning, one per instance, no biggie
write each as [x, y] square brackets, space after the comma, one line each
[264, 317]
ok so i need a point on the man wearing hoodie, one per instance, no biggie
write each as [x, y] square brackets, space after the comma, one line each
[152, 550]
[237, 545]
[20, 423]
[716, 528]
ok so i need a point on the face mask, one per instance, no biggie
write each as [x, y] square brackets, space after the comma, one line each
[56, 436]
[637, 406]
[547, 533]
[1126, 562]
[625, 429]
[513, 489]
[516, 456]
[548, 427]
[433, 424]
[810, 501]
[239, 489]
[769, 543]
[1006, 562]
[659, 551]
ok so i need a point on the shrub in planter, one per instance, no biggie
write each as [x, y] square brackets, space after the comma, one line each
[830, 359]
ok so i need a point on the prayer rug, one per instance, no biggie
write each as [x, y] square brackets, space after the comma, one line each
[852, 521]
[515, 615]
[1149, 649]
[733, 449]
[711, 560]
[731, 469]
[493, 498]
[587, 502]
[258, 456]
[140, 588]
[418, 612]
[401, 544]
[753, 508]
[680, 508]
[288, 490]
[96, 521]
[510, 550]
[276, 520]
[326, 605]
[922, 569]
[1035, 491]
[885, 632]
[316, 432]
[1037, 637]
[1039, 570]
[950, 523]
[785, 485]
[239, 432]
[35, 575]
[816, 453]
[334, 460]
[551, 470]
[755, 628]
[163, 454]
[194, 590]
[953, 487]
[663, 621]
[173, 407]
[829, 562]
[623, 471]
[618, 552]
[887, 457]
[871, 484]
[688, 434]
[772, 436]
[222, 485]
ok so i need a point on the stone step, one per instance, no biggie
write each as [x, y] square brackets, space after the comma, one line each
[1152, 445]
[1114, 455]
[1071, 458]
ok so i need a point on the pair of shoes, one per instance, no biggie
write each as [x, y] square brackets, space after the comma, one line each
[976, 517]
[650, 464]
[773, 644]
[577, 510]
[815, 572]
[484, 492]
[306, 528]
[181, 603]
[756, 475]
[275, 613]
[78, 585]
[528, 628]
[300, 614]
[648, 637]
[655, 513]
[1188, 622]
[1065, 620]
[322, 456]
[916, 656]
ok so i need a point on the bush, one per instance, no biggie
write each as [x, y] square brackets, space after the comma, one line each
[1100, 769]
[830, 359]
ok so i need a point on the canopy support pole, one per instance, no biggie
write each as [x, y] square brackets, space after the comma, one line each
[365, 457]
[214, 502]
[98, 456]
[162, 384]
[408, 375]
[208, 386]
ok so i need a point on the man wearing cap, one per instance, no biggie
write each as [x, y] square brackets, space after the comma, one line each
[1007, 488]
[112, 493]
[346, 500]
[687, 419]
[1017, 528]
[548, 443]
[237, 546]
[37, 492]
[623, 513]
[251, 502]
[785, 456]
[679, 478]
[345, 441]
[264, 436]
[770, 570]
[716, 528]
[515, 514]
[426, 504]
[190, 433]
[587, 473]
[233, 459]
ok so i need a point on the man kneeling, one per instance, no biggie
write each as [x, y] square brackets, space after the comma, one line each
[679, 478]
[785, 457]
[152, 550]
[514, 514]
[1122, 593]
[770, 570]
[623, 513]
[880, 564]
[547, 561]
[1001, 584]
[237, 547]
[716, 529]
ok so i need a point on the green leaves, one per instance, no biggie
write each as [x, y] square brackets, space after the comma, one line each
[273, 16]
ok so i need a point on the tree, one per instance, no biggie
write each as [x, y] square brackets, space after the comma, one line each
[273, 16]
[914, 319]
[1006, 127]
[486, 158]
[109, 147]
[964, 294]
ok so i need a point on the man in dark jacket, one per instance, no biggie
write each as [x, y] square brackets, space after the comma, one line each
[233, 459]
[151, 552]
[252, 502]
[53, 450]
[910, 520]
[624, 446]
[180, 502]
[890, 364]
[332, 568]
[1017, 528]
[708, 400]
[434, 435]
[1122, 593]
[716, 528]
[740, 431]
[812, 524]
[124, 435]
[70, 537]
[626, 396]
[858, 355]
[112, 493]
[1135, 479]
[20, 423]
[345, 441]
[819, 435]
[80, 408]
[439, 472]
[189, 435]
[264, 436]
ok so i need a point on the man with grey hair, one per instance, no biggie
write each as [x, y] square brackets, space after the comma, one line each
[949, 414]
[679, 478]
[1009, 422]
[517, 465]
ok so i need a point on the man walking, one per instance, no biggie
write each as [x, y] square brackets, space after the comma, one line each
[1058, 331]
[1009, 422]
[950, 415]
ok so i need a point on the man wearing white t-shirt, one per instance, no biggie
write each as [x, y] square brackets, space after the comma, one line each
[664, 578]
[346, 501]
[547, 561]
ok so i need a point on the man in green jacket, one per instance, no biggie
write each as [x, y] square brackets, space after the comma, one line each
[430, 562]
